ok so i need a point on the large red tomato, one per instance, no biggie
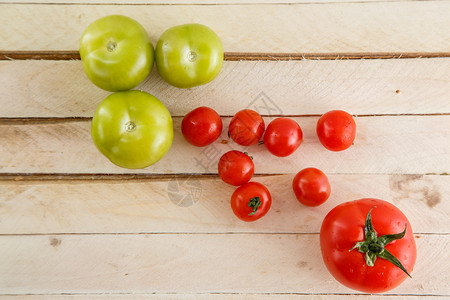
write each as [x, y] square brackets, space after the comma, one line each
[368, 245]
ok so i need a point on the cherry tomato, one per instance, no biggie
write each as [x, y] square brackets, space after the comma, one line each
[368, 245]
[251, 201]
[116, 52]
[236, 168]
[202, 126]
[336, 130]
[132, 129]
[283, 136]
[189, 55]
[246, 127]
[311, 187]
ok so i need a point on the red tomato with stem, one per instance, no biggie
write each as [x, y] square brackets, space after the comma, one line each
[246, 127]
[236, 167]
[368, 245]
[283, 136]
[251, 201]
[202, 126]
[336, 130]
[311, 187]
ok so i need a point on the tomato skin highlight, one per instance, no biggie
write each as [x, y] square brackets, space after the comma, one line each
[201, 126]
[243, 195]
[236, 168]
[336, 130]
[311, 187]
[247, 127]
[133, 129]
[116, 53]
[189, 55]
[344, 226]
[283, 136]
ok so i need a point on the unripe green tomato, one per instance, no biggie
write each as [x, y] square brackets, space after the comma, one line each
[189, 55]
[133, 129]
[116, 52]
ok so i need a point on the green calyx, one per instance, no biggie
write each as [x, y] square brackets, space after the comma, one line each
[246, 153]
[254, 203]
[373, 246]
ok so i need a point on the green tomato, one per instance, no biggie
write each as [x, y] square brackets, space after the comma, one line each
[189, 55]
[133, 129]
[116, 52]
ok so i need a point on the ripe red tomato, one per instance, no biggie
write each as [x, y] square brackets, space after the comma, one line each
[336, 130]
[202, 126]
[311, 187]
[246, 127]
[236, 168]
[251, 201]
[352, 238]
[283, 136]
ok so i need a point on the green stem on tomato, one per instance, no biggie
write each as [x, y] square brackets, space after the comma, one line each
[373, 246]
[254, 203]
[246, 153]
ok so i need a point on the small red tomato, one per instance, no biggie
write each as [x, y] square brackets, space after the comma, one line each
[246, 127]
[311, 187]
[251, 201]
[236, 168]
[336, 130]
[368, 245]
[283, 136]
[202, 126]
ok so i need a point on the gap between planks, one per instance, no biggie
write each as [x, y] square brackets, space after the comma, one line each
[56, 120]
[100, 177]
[238, 56]
[30, 177]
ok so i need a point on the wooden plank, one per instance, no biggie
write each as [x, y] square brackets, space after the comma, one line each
[198, 205]
[163, 263]
[384, 144]
[170, 2]
[419, 26]
[394, 86]
[223, 296]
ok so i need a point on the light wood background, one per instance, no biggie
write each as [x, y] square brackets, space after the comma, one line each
[74, 226]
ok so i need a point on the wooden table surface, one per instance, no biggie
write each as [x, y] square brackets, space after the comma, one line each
[73, 225]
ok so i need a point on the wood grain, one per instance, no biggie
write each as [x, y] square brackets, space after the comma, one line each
[199, 205]
[406, 86]
[384, 144]
[162, 263]
[418, 26]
